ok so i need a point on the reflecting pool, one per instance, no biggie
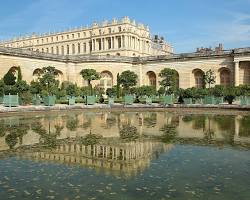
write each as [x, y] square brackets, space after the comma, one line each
[125, 155]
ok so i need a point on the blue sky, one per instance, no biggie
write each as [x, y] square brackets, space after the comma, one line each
[186, 24]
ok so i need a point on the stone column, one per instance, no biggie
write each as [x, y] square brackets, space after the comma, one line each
[111, 40]
[236, 74]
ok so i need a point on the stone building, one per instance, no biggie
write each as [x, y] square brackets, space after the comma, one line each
[112, 48]
[124, 37]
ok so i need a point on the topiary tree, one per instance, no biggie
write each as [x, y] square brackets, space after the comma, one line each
[128, 79]
[111, 92]
[48, 79]
[72, 90]
[19, 74]
[9, 78]
[90, 75]
[209, 78]
[35, 87]
[146, 90]
[169, 80]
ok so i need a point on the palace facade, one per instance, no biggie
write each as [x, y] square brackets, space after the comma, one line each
[121, 38]
[127, 46]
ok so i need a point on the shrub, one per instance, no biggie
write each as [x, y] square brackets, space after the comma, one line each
[129, 133]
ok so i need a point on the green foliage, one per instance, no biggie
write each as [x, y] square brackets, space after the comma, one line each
[90, 139]
[72, 90]
[169, 80]
[25, 97]
[2, 86]
[84, 91]
[48, 79]
[89, 75]
[72, 123]
[111, 92]
[161, 91]
[146, 91]
[19, 74]
[118, 86]
[218, 90]
[243, 90]
[10, 89]
[35, 87]
[230, 94]
[209, 78]
[129, 133]
[128, 79]
[9, 78]
[169, 133]
[98, 91]
[22, 86]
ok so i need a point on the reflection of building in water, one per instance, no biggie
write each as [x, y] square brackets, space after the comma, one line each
[126, 159]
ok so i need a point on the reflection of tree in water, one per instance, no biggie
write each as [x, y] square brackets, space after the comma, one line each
[72, 122]
[226, 124]
[209, 133]
[244, 130]
[16, 131]
[169, 133]
[47, 138]
[3, 128]
[199, 121]
[150, 120]
[86, 124]
[129, 133]
[110, 121]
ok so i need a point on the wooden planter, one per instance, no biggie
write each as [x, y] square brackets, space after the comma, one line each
[49, 100]
[90, 100]
[36, 100]
[71, 101]
[128, 99]
[10, 100]
[148, 100]
[209, 100]
[168, 99]
[111, 101]
[188, 101]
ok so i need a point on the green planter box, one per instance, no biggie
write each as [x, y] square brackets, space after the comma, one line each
[209, 100]
[167, 99]
[36, 100]
[199, 101]
[148, 100]
[90, 100]
[10, 100]
[71, 101]
[49, 100]
[188, 101]
[219, 100]
[111, 101]
[128, 100]
[244, 100]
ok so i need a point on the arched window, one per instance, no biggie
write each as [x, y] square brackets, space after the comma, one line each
[67, 49]
[73, 49]
[245, 72]
[151, 78]
[79, 48]
[62, 50]
[225, 77]
[106, 80]
[199, 78]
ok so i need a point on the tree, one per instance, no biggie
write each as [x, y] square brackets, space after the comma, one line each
[9, 78]
[90, 75]
[48, 79]
[209, 78]
[169, 80]
[72, 90]
[35, 87]
[146, 90]
[19, 74]
[118, 86]
[128, 79]
[111, 92]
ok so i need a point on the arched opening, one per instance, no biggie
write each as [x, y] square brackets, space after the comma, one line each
[151, 78]
[245, 72]
[36, 74]
[59, 76]
[199, 78]
[118, 54]
[225, 76]
[106, 80]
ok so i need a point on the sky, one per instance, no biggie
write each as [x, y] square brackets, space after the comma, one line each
[185, 24]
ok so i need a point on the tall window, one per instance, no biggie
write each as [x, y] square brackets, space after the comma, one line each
[67, 49]
[199, 79]
[62, 50]
[84, 47]
[57, 50]
[79, 47]
[73, 49]
[225, 77]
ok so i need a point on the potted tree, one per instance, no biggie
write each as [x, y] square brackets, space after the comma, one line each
[209, 79]
[169, 83]
[36, 89]
[90, 75]
[10, 91]
[72, 92]
[111, 92]
[128, 79]
[218, 93]
[49, 84]
[230, 94]
[188, 95]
